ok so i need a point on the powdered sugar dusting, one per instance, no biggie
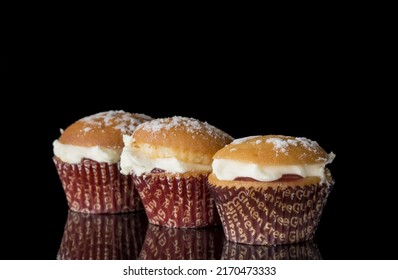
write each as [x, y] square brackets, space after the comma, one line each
[281, 145]
[191, 125]
[307, 143]
[242, 140]
[292, 142]
[143, 116]
[331, 157]
[120, 120]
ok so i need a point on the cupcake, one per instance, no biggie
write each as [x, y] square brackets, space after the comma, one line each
[169, 160]
[103, 237]
[270, 190]
[166, 243]
[87, 159]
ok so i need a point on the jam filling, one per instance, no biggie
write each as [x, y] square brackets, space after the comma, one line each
[157, 170]
[284, 178]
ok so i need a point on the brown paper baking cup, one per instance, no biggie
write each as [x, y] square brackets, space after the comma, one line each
[177, 200]
[298, 251]
[165, 243]
[94, 187]
[102, 237]
[270, 216]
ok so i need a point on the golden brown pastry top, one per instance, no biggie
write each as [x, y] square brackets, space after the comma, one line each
[271, 150]
[186, 139]
[104, 129]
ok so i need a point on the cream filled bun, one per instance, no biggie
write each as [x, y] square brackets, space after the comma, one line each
[172, 145]
[97, 137]
[270, 190]
[271, 160]
[87, 159]
[169, 160]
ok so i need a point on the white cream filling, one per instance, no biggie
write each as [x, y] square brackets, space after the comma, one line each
[74, 154]
[225, 169]
[138, 161]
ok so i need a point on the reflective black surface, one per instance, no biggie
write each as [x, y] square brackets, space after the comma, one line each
[163, 243]
[129, 237]
[102, 237]
[301, 251]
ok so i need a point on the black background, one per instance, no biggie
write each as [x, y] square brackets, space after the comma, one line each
[298, 91]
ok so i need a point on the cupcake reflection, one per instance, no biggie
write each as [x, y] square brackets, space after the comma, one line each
[102, 237]
[299, 251]
[165, 243]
